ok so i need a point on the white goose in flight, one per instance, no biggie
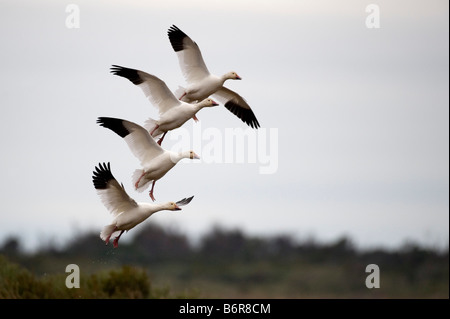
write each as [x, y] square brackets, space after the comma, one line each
[173, 112]
[127, 213]
[201, 83]
[155, 161]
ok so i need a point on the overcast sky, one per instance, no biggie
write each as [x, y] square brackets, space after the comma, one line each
[354, 120]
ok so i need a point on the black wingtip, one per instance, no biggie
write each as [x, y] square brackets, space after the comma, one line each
[173, 28]
[246, 115]
[115, 125]
[102, 175]
[130, 74]
[176, 37]
[184, 201]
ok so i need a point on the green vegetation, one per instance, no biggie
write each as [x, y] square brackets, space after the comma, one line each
[125, 282]
[158, 263]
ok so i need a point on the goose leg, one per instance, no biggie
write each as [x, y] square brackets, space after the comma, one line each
[153, 131]
[195, 118]
[107, 238]
[116, 240]
[136, 185]
[151, 191]
[161, 139]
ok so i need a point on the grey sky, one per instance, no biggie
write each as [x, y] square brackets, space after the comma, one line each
[361, 115]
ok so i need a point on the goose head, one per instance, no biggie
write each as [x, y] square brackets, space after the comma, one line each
[208, 103]
[175, 157]
[172, 206]
[192, 155]
[232, 76]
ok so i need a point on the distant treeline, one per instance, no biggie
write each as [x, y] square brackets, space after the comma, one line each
[154, 244]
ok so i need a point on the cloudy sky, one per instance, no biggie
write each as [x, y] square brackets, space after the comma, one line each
[354, 136]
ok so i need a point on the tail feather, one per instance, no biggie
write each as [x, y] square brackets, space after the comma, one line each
[143, 182]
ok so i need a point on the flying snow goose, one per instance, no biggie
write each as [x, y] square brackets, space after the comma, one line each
[126, 212]
[155, 161]
[201, 83]
[173, 112]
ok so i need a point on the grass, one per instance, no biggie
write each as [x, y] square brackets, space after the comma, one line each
[272, 279]
[226, 279]
[17, 282]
